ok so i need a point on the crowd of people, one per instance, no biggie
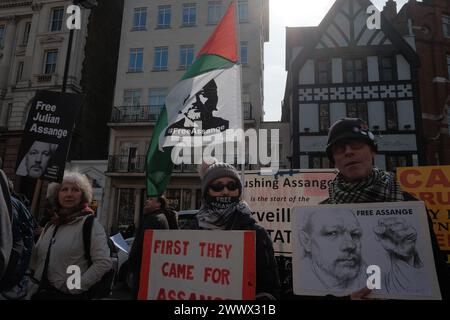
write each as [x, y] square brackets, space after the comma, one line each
[61, 240]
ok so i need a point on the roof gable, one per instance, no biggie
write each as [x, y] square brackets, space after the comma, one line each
[345, 26]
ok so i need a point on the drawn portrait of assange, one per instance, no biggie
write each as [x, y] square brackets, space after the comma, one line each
[332, 260]
[35, 161]
[199, 115]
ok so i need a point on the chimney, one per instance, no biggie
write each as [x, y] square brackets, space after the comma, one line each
[390, 9]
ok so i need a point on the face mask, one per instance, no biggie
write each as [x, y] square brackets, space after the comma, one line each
[221, 203]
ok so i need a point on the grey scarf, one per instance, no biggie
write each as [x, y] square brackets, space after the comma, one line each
[379, 186]
[214, 218]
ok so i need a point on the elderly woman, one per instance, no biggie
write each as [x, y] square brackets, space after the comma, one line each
[223, 209]
[60, 249]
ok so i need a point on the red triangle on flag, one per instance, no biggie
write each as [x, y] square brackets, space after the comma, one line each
[223, 41]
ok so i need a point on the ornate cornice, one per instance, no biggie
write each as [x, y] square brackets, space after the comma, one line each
[14, 3]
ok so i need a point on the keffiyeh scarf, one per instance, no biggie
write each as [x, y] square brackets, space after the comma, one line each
[379, 186]
[217, 213]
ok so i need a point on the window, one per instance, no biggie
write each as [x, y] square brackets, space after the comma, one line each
[135, 60]
[390, 110]
[19, 71]
[26, 33]
[50, 61]
[163, 17]
[448, 65]
[323, 71]
[139, 18]
[357, 110]
[2, 35]
[243, 11]
[156, 100]
[354, 71]
[57, 19]
[179, 199]
[324, 117]
[189, 14]
[132, 97]
[186, 56]
[125, 209]
[395, 161]
[161, 57]
[319, 162]
[215, 11]
[387, 69]
[243, 52]
[446, 26]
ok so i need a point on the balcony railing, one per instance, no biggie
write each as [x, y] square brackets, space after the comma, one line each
[126, 164]
[126, 114]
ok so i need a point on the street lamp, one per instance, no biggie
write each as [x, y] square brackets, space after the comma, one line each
[87, 4]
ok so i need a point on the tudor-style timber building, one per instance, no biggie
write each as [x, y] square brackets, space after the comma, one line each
[342, 68]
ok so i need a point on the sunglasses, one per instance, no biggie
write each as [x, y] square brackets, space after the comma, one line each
[355, 144]
[231, 186]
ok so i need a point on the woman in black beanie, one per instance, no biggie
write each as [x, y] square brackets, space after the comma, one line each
[223, 209]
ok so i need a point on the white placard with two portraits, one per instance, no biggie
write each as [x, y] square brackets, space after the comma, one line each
[340, 249]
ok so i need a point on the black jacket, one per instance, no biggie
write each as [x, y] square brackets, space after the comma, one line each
[267, 279]
[156, 220]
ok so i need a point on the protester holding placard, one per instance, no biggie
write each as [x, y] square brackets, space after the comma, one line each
[156, 217]
[223, 209]
[59, 256]
[352, 148]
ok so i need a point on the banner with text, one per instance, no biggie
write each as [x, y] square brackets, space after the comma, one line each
[431, 184]
[198, 265]
[271, 199]
[47, 134]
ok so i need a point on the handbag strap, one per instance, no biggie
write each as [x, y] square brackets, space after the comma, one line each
[44, 278]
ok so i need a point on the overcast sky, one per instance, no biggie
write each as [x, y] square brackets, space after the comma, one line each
[289, 13]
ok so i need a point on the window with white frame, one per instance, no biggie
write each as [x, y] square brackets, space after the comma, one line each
[161, 58]
[164, 14]
[215, 11]
[19, 71]
[50, 58]
[243, 11]
[132, 97]
[139, 18]
[243, 52]
[390, 110]
[26, 33]
[135, 60]
[189, 14]
[2, 35]
[156, 99]
[446, 26]
[57, 19]
[186, 56]
[324, 117]
[357, 110]
[355, 71]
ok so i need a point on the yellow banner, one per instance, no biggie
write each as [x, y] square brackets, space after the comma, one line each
[431, 185]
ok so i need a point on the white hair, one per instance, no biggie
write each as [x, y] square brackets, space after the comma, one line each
[80, 179]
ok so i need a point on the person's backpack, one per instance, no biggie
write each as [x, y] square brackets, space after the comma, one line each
[102, 288]
[23, 226]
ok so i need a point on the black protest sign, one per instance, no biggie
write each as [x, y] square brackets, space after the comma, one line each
[47, 135]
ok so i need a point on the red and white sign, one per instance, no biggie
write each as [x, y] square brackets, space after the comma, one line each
[198, 265]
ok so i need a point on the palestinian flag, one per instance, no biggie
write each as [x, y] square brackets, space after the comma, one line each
[206, 102]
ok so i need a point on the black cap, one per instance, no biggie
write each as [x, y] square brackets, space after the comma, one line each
[348, 128]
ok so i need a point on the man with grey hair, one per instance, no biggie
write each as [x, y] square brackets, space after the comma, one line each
[332, 251]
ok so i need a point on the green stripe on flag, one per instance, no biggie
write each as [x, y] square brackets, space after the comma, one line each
[206, 63]
[158, 164]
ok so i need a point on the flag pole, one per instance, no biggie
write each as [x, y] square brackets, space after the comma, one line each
[238, 36]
